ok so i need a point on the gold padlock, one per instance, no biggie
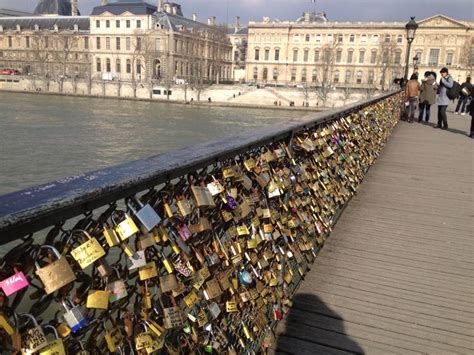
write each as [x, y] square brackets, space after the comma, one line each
[98, 299]
[88, 252]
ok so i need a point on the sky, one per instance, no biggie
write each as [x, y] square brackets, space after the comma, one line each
[336, 10]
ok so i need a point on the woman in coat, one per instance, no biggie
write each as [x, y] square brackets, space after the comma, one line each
[428, 95]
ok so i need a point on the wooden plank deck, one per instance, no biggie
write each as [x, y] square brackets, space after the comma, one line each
[397, 274]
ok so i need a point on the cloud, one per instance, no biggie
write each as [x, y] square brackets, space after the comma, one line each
[337, 10]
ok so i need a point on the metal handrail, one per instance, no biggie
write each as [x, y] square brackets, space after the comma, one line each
[28, 211]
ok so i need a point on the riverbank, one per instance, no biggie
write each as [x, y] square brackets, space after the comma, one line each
[241, 96]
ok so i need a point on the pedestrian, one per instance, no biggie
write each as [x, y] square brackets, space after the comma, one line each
[471, 112]
[446, 82]
[234, 96]
[209, 99]
[412, 92]
[279, 103]
[466, 90]
[427, 96]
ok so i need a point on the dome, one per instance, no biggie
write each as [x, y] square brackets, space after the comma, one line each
[53, 7]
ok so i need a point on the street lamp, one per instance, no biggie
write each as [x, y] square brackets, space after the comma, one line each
[411, 28]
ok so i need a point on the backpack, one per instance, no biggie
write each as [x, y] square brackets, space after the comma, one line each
[455, 91]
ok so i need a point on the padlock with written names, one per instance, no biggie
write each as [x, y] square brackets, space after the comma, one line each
[34, 338]
[88, 252]
[55, 346]
[113, 336]
[14, 283]
[54, 275]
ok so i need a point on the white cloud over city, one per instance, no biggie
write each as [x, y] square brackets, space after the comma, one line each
[337, 10]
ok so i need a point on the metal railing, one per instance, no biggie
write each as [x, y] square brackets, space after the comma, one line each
[208, 243]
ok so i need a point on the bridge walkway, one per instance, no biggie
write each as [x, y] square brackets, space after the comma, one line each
[397, 274]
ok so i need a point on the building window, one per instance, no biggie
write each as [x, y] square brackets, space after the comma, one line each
[387, 38]
[275, 74]
[339, 56]
[296, 39]
[305, 55]
[336, 77]
[316, 56]
[303, 76]
[295, 55]
[293, 74]
[307, 38]
[97, 44]
[359, 77]
[46, 42]
[352, 38]
[98, 65]
[117, 23]
[434, 57]
[318, 38]
[257, 54]
[107, 65]
[128, 66]
[139, 67]
[340, 39]
[314, 77]
[27, 40]
[373, 57]
[361, 56]
[107, 23]
[107, 43]
[350, 56]
[255, 73]
[419, 54]
[348, 77]
[370, 79]
[375, 38]
[399, 39]
[117, 66]
[329, 38]
[10, 42]
[385, 57]
[97, 24]
[267, 54]
[363, 39]
[139, 23]
[158, 44]
[277, 54]
[117, 43]
[449, 58]
[236, 56]
[265, 74]
[127, 43]
[398, 57]
[139, 43]
[86, 42]
[127, 23]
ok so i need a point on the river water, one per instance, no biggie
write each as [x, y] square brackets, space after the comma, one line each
[45, 138]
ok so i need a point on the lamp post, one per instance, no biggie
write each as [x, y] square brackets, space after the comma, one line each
[411, 28]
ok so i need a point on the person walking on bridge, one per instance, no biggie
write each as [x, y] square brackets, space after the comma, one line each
[466, 91]
[427, 96]
[412, 92]
[446, 82]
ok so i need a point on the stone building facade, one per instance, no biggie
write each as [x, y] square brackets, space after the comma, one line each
[315, 52]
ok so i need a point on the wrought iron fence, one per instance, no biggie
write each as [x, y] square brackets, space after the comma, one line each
[195, 250]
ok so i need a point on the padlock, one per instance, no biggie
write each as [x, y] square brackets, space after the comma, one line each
[126, 228]
[75, 316]
[117, 289]
[55, 275]
[113, 337]
[146, 214]
[55, 346]
[103, 267]
[211, 256]
[145, 340]
[88, 252]
[6, 325]
[98, 299]
[202, 197]
[184, 206]
[14, 283]
[34, 338]
[111, 236]
[215, 187]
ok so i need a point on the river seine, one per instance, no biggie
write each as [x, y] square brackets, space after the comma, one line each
[44, 138]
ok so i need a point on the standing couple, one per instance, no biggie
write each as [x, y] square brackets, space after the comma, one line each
[426, 93]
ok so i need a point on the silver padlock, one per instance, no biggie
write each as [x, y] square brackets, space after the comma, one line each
[75, 316]
[34, 338]
[146, 215]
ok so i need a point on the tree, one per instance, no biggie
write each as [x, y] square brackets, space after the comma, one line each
[40, 43]
[386, 59]
[64, 45]
[467, 59]
[324, 78]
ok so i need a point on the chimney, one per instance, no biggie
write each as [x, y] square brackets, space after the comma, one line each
[103, 2]
[213, 20]
[237, 23]
[175, 10]
[160, 6]
[74, 11]
[209, 21]
[307, 16]
[195, 17]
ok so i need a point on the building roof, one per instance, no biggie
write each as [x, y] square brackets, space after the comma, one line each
[13, 13]
[53, 7]
[176, 22]
[45, 23]
[243, 31]
[136, 7]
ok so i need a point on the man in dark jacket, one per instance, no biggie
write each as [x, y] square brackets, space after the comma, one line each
[445, 84]
[466, 91]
